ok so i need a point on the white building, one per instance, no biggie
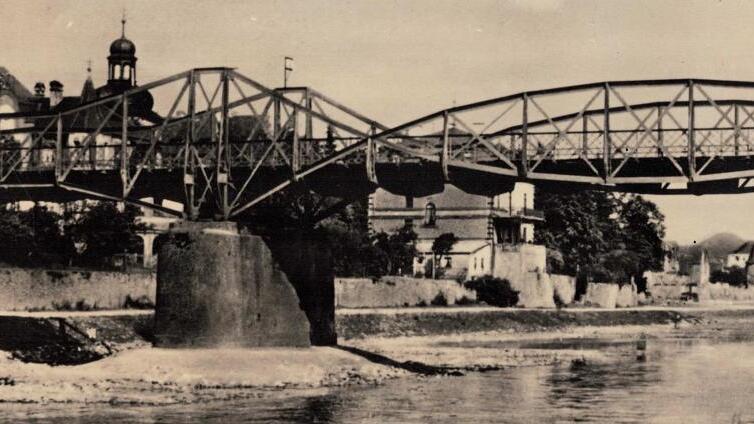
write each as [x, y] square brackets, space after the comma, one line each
[740, 256]
[478, 222]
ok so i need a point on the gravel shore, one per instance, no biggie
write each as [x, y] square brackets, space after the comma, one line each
[137, 374]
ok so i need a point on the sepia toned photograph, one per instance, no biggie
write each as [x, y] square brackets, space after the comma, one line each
[363, 211]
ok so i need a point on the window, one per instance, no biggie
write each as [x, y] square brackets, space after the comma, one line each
[482, 263]
[430, 214]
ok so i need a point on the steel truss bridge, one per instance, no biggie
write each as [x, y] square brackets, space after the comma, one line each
[224, 143]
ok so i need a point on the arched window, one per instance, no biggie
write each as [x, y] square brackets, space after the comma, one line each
[430, 214]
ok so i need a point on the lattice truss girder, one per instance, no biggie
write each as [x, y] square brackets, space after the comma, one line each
[627, 132]
[217, 129]
[232, 142]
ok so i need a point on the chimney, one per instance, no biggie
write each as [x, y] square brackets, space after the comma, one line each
[39, 89]
[56, 93]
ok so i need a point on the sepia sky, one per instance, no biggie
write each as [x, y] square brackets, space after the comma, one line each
[397, 60]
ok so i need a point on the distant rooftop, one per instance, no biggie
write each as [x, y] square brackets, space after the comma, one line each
[744, 248]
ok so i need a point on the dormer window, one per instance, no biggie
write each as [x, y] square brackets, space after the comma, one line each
[430, 215]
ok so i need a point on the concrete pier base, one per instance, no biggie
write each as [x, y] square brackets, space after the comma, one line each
[216, 287]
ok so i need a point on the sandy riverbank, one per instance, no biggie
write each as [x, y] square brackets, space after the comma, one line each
[161, 376]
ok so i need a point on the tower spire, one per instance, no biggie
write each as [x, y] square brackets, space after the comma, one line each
[89, 68]
[123, 24]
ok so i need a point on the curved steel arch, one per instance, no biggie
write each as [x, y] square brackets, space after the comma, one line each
[637, 157]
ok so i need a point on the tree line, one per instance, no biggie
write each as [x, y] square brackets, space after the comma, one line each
[596, 236]
[88, 237]
[601, 236]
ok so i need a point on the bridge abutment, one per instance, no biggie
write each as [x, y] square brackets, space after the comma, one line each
[219, 287]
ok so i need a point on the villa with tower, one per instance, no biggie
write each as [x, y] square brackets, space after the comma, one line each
[52, 97]
[489, 229]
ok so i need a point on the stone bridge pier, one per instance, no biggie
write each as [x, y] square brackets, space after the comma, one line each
[218, 287]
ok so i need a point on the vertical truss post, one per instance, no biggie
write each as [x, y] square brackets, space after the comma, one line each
[584, 137]
[124, 149]
[223, 150]
[296, 151]
[524, 136]
[189, 164]
[607, 148]
[276, 117]
[445, 155]
[690, 133]
[59, 149]
[736, 130]
[309, 130]
[309, 124]
[660, 134]
[371, 159]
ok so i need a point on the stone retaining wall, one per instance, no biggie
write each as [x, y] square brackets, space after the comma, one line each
[601, 295]
[725, 292]
[538, 290]
[666, 286]
[391, 291]
[535, 290]
[627, 296]
[24, 289]
[565, 288]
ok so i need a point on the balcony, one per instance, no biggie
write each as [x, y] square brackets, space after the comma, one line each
[527, 214]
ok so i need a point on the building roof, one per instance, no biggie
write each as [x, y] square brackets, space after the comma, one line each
[744, 248]
[459, 247]
[9, 82]
[449, 197]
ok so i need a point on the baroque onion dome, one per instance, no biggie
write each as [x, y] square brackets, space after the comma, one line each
[122, 62]
[122, 47]
[122, 76]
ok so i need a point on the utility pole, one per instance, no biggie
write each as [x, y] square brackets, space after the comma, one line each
[287, 67]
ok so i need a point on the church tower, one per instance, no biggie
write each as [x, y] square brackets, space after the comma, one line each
[122, 61]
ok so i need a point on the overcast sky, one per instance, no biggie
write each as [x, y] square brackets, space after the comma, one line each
[397, 60]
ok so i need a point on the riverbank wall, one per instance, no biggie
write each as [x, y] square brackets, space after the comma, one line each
[437, 321]
[664, 287]
[723, 292]
[392, 291]
[23, 289]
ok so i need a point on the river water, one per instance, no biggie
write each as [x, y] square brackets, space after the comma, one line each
[680, 381]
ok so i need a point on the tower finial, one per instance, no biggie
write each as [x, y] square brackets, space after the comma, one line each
[123, 24]
[89, 67]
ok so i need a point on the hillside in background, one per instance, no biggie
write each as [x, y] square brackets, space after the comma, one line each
[718, 246]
